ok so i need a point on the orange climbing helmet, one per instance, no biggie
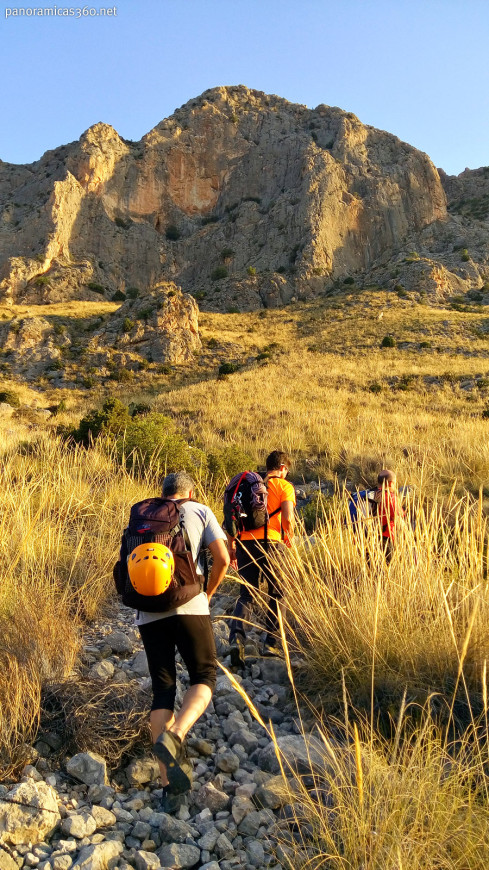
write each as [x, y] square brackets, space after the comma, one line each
[151, 568]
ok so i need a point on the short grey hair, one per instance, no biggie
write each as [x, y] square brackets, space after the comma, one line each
[177, 483]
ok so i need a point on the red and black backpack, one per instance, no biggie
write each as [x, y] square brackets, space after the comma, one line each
[245, 504]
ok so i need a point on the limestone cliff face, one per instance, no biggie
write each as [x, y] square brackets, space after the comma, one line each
[241, 198]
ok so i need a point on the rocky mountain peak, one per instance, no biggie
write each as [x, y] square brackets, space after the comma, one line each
[241, 197]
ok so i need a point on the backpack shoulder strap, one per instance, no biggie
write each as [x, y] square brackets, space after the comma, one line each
[203, 550]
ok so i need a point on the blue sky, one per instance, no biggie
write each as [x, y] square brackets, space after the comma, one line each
[417, 69]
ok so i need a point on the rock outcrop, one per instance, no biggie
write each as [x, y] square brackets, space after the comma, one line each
[160, 326]
[31, 345]
[241, 198]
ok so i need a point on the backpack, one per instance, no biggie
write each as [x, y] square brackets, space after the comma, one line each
[361, 504]
[245, 504]
[157, 520]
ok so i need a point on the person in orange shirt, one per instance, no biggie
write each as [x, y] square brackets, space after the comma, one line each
[253, 552]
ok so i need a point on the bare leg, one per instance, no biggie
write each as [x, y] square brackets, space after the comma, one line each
[195, 701]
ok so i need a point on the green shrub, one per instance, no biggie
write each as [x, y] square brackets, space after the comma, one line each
[61, 408]
[139, 440]
[119, 222]
[97, 288]
[111, 419]
[219, 273]
[228, 461]
[139, 409]
[122, 375]
[251, 271]
[411, 257]
[226, 253]
[127, 324]
[315, 511]
[228, 368]
[59, 329]
[388, 341]
[199, 295]
[405, 382]
[165, 369]
[465, 256]
[425, 344]
[375, 387]
[9, 397]
[349, 280]
[132, 292]
[172, 233]
[145, 313]
[153, 440]
[42, 280]
[233, 309]
[118, 296]
[212, 342]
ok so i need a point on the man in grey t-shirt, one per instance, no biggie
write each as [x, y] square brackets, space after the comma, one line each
[188, 629]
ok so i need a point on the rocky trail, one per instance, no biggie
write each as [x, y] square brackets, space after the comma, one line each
[74, 813]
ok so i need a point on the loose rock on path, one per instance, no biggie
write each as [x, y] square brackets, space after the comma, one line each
[73, 816]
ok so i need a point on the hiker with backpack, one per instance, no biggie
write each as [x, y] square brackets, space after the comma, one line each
[160, 573]
[259, 522]
[388, 509]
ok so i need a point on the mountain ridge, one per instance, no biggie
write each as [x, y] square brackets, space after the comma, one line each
[244, 200]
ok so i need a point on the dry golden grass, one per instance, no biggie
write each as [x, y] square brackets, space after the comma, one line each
[61, 516]
[418, 625]
[398, 651]
[395, 648]
[312, 391]
[422, 807]
[69, 310]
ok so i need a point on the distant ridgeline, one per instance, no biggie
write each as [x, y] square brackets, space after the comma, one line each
[244, 200]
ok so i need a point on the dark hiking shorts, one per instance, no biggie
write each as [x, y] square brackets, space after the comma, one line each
[193, 637]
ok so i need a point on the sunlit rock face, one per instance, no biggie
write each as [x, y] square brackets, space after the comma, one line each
[239, 197]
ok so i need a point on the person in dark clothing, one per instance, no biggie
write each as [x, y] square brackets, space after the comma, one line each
[254, 558]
